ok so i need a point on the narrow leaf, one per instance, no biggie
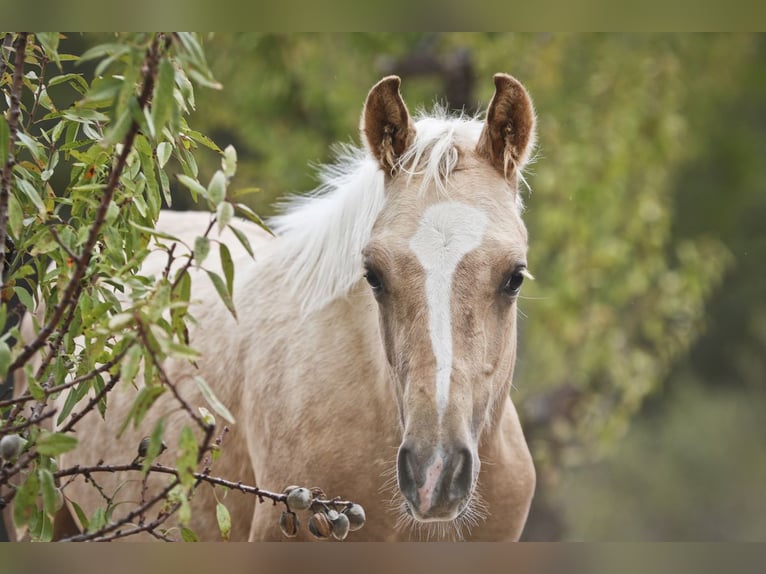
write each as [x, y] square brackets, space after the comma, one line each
[141, 404]
[216, 189]
[223, 293]
[163, 153]
[224, 520]
[212, 400]
[229, 161]
[25, 501]
[201, 249]
[243, 240]
[53, 443]
[188, 535]
[49, 491]
[163, 101]
[224, 214]
[193, 185]
[5, 358]
[228, 267]
[5, 141]
[187, 457]
[155, 445]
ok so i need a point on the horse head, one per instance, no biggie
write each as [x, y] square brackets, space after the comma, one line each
[445, 262]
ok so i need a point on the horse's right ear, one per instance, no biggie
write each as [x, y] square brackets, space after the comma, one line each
[386, 124]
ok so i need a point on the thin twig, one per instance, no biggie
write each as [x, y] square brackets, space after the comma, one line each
[100, 534]
[162, 469]
[77, 380]
[28, 423]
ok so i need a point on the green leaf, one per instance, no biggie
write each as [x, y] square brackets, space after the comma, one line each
[97, 521]
[253, 216]
[229, 161]
[30, 191]
[15, 217]
[224, 214]
[188, 535]
[212, 400]
[130, 364]
[25, 501]
[5, 141]
[103, 90]
[36, 149]
[75, 396]
[228, 267]
[54, 443]
[51, 496]
[224, 520]
[216, 189]
[33, 385]
[187, 457]
[202, 139]
[164, 150]
[141, 404]
[156, 232]
[201, 249]
[5, 357]
[243, 240]
[84, 522]
[163, 101]
[50, 43]
[223, 293]
[24, 297]
[193, 185]
[76, 80]
[118, 129]
[155, 445]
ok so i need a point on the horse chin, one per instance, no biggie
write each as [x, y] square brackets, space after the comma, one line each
[447, 518]
[469, 515]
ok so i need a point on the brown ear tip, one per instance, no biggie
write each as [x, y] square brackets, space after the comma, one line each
[505, 81]
[392, 83]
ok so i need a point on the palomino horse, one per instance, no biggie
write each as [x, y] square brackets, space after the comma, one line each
[376, 340]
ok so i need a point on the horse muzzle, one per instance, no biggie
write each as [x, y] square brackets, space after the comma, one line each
[436, 483]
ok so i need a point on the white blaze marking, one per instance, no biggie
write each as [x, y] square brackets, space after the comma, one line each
[446, 232]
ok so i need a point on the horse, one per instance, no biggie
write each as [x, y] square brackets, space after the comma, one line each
[375, 344]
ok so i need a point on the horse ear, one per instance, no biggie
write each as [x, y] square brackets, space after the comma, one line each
[509, 132]
[386, 123]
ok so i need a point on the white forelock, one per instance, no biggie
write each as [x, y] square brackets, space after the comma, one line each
[323, 233]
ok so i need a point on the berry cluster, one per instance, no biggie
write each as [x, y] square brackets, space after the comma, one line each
[328, 518]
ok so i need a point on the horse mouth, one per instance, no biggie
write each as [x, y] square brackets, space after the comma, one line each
[462, 512]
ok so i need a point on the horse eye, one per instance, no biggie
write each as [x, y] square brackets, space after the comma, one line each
[374, 280]
[512, 283]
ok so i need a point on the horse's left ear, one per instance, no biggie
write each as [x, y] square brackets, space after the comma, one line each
[386, 123]
[509, 133]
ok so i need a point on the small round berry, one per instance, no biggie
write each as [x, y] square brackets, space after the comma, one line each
[340, 526]
[356, 516]
[288, 523]
[10, 446]
[299, 499]
[320, 526]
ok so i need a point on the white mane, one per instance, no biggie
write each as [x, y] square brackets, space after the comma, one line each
[323, 233]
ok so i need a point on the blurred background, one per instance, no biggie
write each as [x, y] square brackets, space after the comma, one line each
[641, 372]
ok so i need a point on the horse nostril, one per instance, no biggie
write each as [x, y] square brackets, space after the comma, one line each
[405, 469]
[462, 476]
